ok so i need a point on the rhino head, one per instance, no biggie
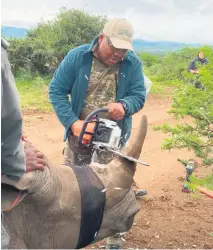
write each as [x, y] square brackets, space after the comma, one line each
[43, 209]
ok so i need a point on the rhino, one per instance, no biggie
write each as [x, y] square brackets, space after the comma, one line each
[47, 212]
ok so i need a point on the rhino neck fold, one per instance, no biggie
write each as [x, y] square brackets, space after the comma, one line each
[47, 184]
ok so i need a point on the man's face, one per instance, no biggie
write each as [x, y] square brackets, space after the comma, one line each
[201, 55]
[107, 53]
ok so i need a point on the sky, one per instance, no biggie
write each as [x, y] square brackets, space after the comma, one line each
[157, 20]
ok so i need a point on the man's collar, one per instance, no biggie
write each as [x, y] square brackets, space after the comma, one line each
[94, 49]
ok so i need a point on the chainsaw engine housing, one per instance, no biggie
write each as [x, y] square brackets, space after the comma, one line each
[107, 134]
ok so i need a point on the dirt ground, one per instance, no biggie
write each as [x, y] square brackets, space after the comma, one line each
[169, 218]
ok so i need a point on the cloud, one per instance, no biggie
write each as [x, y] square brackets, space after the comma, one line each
[172, 20]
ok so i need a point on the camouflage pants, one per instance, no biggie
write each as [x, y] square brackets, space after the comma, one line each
[75, 154]
[114, 242]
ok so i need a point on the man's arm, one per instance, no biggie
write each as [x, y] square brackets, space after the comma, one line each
[136, 95]
[13, 157]
[59, 89]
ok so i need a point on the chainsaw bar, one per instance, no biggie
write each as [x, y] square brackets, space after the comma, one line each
[115, 151]
[127, 157]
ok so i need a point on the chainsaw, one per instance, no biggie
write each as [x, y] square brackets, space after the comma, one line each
[105, 136]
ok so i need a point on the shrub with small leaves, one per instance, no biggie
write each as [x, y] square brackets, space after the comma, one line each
[194, 107]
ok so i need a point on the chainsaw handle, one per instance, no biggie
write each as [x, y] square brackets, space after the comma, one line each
[87, 120]
[95, 112]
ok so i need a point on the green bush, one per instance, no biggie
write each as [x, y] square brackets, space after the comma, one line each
[45, 46]
[195, 133]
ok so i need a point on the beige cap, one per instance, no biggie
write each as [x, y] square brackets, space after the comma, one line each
[120, 32]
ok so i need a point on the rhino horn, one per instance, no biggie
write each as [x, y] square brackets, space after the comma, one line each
[135, 145]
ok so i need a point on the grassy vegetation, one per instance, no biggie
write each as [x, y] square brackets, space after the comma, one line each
[206, 182]
[34, 94]
[33, 91]
[196, 182]
[161, 88]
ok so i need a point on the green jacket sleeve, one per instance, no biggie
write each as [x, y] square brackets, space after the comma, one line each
[12, 150]
[59, 89]
[136, 95]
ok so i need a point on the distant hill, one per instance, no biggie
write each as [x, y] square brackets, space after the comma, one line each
[13, 32]
[158, 47]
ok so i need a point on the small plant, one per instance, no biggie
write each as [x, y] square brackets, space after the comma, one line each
[206, 182]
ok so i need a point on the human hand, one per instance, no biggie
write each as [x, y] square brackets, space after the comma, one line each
[116, 111]
[77, 127]
[35, 160]
[196, 71]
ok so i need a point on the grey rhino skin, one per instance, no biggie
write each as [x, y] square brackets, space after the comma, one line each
[48, 213]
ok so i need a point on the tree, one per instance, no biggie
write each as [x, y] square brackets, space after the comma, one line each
[46, 45]
[149, 59]
[196, 132]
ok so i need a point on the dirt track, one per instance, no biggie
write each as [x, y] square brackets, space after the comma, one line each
[168, 218]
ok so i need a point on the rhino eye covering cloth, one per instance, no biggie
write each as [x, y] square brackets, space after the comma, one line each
[92, 204]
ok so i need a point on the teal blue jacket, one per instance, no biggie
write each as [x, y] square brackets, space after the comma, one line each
[72, 77]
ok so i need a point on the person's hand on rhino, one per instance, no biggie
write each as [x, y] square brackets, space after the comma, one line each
[35, 160]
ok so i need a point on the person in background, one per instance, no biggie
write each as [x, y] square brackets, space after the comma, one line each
[200, 59]
[193, 68]
[15, 160]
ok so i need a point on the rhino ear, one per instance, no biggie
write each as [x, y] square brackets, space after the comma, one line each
[13, 192]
